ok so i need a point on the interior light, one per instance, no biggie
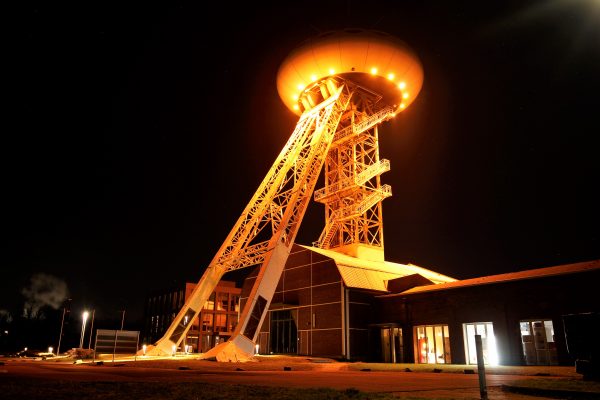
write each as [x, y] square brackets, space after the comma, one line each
[373, 71]
[295, 97]
[402, 106]
[391, 77]
[401, 85]
[300, 86]
[492, 349]
[296, 106]
[313, 78]
[331, 71]
[405, 95]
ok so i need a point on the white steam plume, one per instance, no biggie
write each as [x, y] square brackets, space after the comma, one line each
[43, 290]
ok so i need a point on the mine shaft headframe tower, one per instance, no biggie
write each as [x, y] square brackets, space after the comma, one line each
[342, 84]
[387, 77]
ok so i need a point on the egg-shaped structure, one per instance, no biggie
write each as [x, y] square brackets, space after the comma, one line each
[372, 59]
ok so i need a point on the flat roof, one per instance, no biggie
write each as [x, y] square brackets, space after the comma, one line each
[508, 277]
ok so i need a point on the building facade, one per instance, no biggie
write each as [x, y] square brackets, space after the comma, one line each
[215, 323]
[330, 304]
[522, 317]
[333, 305]
[324, 303]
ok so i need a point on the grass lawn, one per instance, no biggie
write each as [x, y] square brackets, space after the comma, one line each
[67, 390]
[575, 385]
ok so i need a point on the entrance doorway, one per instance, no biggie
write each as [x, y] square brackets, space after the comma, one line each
[488, 342]
[284, 332]
[392, 345]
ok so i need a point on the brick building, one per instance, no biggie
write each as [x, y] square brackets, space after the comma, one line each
[331, 304]
[334, 305]
[214, 325]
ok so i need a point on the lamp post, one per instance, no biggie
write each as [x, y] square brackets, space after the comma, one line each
[91, 329]
[123, 319]
[85, 316]
[62, 322]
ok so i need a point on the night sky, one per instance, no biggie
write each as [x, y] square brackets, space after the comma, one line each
[137, 134]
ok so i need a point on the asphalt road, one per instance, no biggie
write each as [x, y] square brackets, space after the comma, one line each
[371, 381]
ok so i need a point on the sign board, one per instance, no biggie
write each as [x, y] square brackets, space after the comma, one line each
[116, 341]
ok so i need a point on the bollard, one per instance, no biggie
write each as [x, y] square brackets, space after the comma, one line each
[481, 368]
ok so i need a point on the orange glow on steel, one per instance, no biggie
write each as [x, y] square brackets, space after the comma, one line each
[351, 53]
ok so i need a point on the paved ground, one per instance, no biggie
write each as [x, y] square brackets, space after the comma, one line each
[269, 372]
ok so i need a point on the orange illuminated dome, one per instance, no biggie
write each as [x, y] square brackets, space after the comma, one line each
[372, 59]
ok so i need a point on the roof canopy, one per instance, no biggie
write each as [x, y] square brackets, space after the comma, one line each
[376, 60]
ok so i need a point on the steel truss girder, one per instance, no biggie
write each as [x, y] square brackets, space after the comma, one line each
[280, 201]
[353, 192]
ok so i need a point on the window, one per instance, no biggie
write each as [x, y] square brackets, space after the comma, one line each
[432, 344]
[220, 322]
[207, 322]
[222, 301]
[255, 317]
[537, 338]
[234, 303]
[210, 303]
[488, 342]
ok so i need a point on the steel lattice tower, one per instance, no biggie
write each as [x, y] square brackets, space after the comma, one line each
[342, 85]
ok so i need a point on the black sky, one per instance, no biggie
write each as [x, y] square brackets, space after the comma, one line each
[136, 135]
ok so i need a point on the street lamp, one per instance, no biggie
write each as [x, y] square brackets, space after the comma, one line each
[91, 329]
[85, 316]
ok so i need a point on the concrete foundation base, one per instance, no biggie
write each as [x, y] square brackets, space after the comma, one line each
[228, 352]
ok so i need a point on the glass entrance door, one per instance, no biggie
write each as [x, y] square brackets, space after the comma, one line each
[392, 345]
[284, 332]
[488, 342]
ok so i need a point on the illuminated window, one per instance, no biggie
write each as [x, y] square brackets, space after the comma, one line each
[222, 301]
[210, 303]
[207, 322]
[432, 344]
[537, 338]
[488, 342]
